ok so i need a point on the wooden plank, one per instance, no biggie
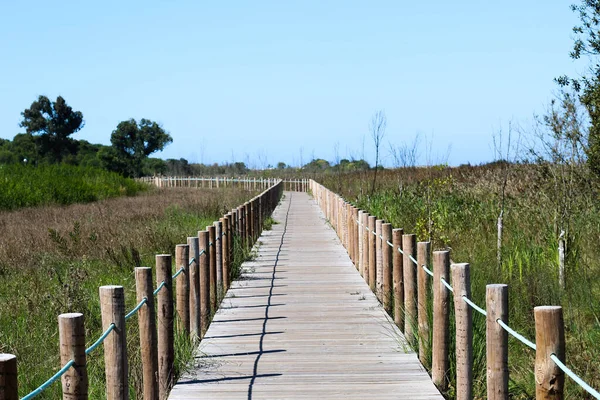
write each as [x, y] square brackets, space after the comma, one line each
[301, 323]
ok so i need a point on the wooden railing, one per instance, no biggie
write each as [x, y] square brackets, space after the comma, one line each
[247, 183]
[203, 271]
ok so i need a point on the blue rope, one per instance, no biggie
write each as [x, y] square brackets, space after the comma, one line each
[191, 261]
[178, 272]
[130, 313]
[162, 284]
[100, 339]
[50, 381]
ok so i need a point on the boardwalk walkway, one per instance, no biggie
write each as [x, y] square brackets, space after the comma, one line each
[302, 324]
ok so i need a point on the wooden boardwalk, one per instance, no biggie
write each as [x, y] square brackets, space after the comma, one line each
[302, 324]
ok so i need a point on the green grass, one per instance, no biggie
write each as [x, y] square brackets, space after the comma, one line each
[458, 211]
[27, 186]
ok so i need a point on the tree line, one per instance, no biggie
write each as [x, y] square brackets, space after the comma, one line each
[49, 126]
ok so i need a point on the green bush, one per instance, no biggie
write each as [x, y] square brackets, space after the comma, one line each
[27, 186]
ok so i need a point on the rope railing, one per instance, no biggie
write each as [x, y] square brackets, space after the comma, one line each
[341, 211]
[245, 222]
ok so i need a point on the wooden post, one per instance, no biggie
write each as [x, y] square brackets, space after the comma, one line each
[225, 252]
[409, 247]
[398, 277]
[147, 328]
[230, 244]
[204, 283]
[441, 320]
[379, 260]
[71, 332]
[355, 240]
[112, 305]
[423, 258]
[359, 239]
[182, 256]
[194, 269]
[549, 339]
[496, 300]
[219, 257]
[212, 259]
[386, 256]
[461, 281]
[372, 254]
[248, 225]
[365, 239]
[8, 377]
[166, 338]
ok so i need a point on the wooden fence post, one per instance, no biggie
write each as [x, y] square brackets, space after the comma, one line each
[379, 260]
[423, 258]
[364, 269]
[359, 239]
[248, 225]
[372, 275]
[225, 252]
[441, 320]
[112, 305]
[219, 257]
[147, 328]
[194, 269]
[9, 389]
[409, 247]
[496, 300]
[212, 259]
[549, 339]
[182, 256]
[398, 277]
[166, 338]
[355, 231]
[386, 257]
[204, 283]
[461, 281]
[71, 332]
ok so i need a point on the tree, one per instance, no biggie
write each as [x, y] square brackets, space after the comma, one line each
[281, 165]
[587, 43]
[377, 128]
[132, 143]
[54, 122]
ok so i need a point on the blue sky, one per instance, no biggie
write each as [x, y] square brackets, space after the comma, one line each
[269, 81]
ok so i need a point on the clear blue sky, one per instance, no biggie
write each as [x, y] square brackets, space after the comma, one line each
[271, 80]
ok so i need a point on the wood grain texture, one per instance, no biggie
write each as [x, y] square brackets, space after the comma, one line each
[302, 324]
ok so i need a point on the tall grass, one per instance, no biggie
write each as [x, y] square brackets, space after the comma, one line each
[457, 209]
[27, 186]
[54, 259]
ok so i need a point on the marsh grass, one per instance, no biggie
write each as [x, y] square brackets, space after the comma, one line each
[54, 259]
[457, 209]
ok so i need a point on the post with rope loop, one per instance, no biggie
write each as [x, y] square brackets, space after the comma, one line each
[386, 256]
[379, 260]
[372, 275]
[398, 277]
[8, 377]
[461, 280]
[225, 252]
[71, 332]
[549, 340]
[204, 283]
[112, 307]
[182, 285]
[359, 240]
[166, 338]
[194, 270]
[247, 225]
[496, 299]
[409, 246]
[212, 259]
[230, 244]
[423, 259]
[441, 320]
[147, 328]
[364, 267]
